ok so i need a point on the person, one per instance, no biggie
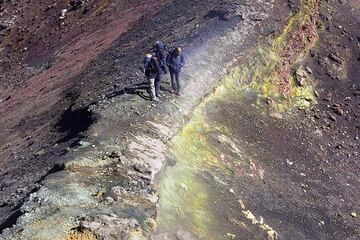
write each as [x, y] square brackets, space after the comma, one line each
[175, 62]
[151, 69]
[159, 53]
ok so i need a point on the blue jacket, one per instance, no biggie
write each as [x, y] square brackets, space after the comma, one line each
[175, 62]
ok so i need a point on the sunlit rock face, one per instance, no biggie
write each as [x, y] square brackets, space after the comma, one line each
[234, 172]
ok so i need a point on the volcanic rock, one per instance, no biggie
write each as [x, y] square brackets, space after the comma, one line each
[333, 57]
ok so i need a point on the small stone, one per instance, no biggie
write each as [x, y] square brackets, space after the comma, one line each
[63, 13]
[301, 76]
[3, 27]
[84, 144]
[332, 118]
[316, 116]
[347, 99]
[183, 186]
[339, 111]
[339, 146]
[231, 236]
[183, 235]
[277, 115]
[256, 18]
[328, 97]
[333, 57]
[357, 93]
[20, 190]
[301, 82]
[118, 191]
[241, 203]
[41, 152]
[141, 168]
[109, 200]
[150, 225]
[353, 214]
[289, 162]
[271, 102]
[114, 155]
[308, 69]
[334, 106]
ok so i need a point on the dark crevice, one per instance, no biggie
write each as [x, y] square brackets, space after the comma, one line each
[56, 168]
[220, 14]
[10, 221]
[73, 122]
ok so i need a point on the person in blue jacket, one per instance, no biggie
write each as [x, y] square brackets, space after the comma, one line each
[175, 62]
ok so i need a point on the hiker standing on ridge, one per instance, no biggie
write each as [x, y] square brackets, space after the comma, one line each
[151, 70]
[159, 53]
[175, 61]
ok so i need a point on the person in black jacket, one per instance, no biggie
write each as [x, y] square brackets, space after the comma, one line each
[159, 53]
[152, 70]
[175, 62]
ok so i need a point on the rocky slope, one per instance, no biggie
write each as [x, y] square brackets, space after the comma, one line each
[68, 65]
[273, 151]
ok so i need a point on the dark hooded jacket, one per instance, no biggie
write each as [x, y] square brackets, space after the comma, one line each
[159, 50]
[153, 68]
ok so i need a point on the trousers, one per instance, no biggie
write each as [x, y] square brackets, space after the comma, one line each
[175, 84]
[152, 88]
[158, 79]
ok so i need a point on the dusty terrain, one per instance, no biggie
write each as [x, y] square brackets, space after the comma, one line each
[71, 93]
[68, 65]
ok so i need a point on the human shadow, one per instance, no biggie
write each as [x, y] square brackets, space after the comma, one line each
[138, 89]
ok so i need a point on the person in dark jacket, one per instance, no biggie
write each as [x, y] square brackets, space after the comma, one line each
[175, 62]
[152, 70]
[159, 53]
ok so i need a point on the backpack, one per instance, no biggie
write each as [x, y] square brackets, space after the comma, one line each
[161, 57]
[147, 61]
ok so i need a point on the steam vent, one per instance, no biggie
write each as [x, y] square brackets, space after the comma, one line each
[180, 120]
